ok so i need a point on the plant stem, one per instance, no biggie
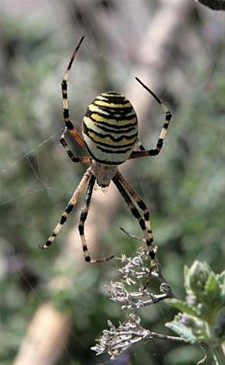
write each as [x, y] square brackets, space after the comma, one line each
[218, 354]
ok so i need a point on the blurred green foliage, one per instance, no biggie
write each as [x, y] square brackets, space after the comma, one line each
[184, 186]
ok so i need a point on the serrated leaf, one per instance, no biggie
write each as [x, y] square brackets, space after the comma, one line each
[183, 331]
[184, 307]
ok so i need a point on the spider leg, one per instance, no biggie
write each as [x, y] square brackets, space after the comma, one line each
[67, 211]
[69, 152]
[83, 217]
[66, 114]
[133, 201]
[140, 146]
[155, 151]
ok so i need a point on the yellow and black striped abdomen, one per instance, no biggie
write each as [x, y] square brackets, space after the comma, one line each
[110, 128]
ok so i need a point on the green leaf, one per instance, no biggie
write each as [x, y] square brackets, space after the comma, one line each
[189, 327]
[182, 330]
[212, 291]
[185, 307]
[187, 280]
[221, 281]
[212, 284]
[198, 276]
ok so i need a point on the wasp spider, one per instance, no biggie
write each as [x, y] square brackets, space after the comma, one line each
[109, 134]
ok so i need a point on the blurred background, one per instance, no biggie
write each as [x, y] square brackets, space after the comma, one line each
[53, 297]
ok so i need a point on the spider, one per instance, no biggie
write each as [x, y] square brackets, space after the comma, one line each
[110, 135]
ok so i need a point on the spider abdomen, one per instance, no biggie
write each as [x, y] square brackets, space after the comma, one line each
[110, 128]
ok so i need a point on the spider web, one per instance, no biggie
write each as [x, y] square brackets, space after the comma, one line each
[35, 170]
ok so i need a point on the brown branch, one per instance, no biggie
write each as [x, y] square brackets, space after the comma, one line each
[45, 338]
